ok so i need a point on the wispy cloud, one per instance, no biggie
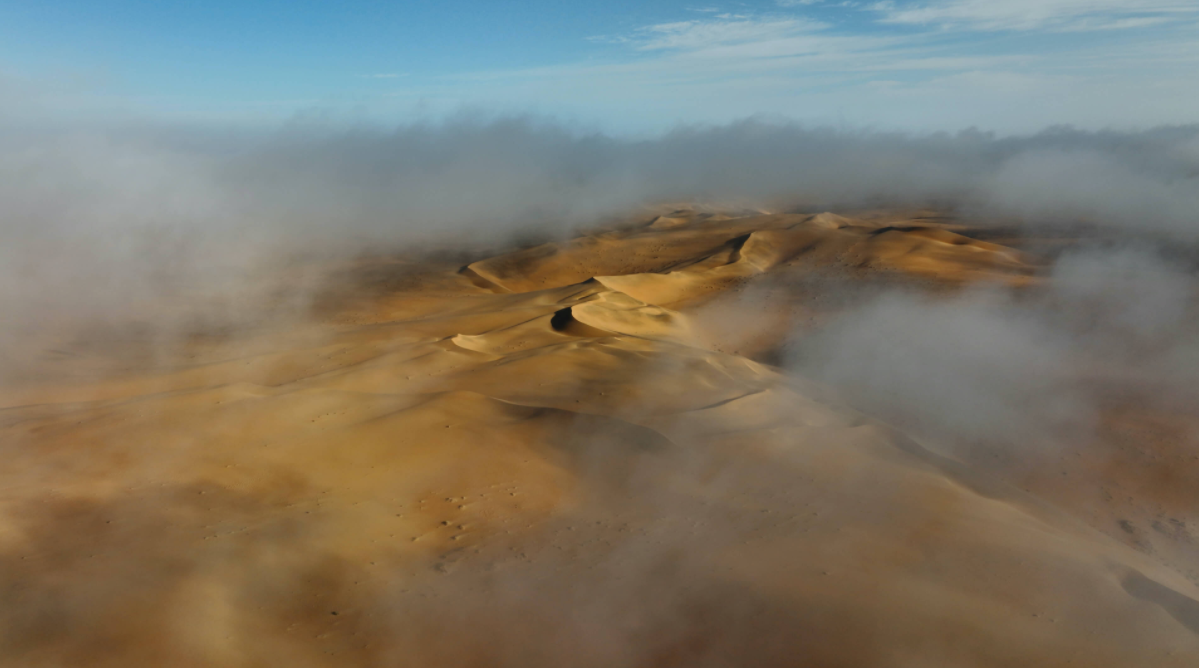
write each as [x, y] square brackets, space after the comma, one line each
[1064, 15]
[915, 64]
[723, 30]
[717, 66]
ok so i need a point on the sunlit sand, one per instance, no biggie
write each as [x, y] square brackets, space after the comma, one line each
[579, 453]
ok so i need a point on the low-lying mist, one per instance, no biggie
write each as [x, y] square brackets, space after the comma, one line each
[1020, 371]
[112, 222]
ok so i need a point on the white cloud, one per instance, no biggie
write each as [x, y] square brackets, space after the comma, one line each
[1115, 24]
[725, 30]
[712, 68]
[1070, 15]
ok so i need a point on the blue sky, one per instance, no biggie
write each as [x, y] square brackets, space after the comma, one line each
[1008, 65]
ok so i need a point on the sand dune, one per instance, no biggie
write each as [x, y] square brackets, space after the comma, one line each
[575, 454]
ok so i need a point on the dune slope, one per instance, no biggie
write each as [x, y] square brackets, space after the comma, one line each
[576, 454]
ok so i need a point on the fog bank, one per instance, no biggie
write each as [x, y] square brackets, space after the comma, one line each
[96, 218]
[1020, 373]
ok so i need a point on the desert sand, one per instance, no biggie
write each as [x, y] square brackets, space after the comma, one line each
[578, 453]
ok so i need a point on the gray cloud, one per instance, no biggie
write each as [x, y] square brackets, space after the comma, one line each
[471, 173]
[98, 218]
[1018, 372]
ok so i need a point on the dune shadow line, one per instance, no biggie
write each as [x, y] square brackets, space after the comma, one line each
[1184, 609]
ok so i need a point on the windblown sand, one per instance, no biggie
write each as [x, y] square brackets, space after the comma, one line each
[575, 454]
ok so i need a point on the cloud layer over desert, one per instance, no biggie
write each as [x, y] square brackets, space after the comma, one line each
[498, 392]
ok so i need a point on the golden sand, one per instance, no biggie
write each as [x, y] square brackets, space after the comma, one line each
[575, 454]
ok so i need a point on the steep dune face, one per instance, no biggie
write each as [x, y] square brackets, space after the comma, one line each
[569, 455]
